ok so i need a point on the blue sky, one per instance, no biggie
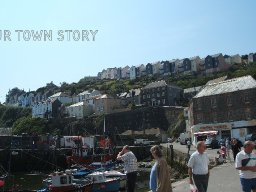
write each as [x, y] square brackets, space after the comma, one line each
[129, 33]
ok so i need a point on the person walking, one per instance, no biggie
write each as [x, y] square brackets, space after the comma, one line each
[246, 164]
[227, 144]
[160, 179]
[188, 144]
[236, 148]
[130, 167]
[198, 168]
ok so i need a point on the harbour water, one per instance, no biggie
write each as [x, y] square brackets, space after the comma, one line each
[33, 181]
[24, 181]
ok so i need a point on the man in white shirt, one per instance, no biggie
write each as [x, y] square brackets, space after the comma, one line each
[198, 168]
[130, 167]
[246, 164]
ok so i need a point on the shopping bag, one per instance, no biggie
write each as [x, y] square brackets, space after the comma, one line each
[193, 188]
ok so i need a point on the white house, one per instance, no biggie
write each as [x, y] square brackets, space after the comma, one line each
[125, 72]
[132, 73]
[62, 97]
[87, 94]
[41, 109]
[79, 110]
[156, 67]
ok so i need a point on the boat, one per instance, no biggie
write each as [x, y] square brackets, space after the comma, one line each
[64, 182]
[120, 175]
[103, 184]
[85, 151]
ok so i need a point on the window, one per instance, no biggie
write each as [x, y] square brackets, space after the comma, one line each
[63, 180]
[213, 102]
[246, 98]
[163, 101]
[199, 104]
[163, 93]
[158, 102]
[248, 114]
[158, 94]
[199, 117]
[229, 100]
[144, 96]
[230, 116]
[214, 117]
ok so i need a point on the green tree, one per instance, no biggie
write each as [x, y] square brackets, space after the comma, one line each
[30, 125]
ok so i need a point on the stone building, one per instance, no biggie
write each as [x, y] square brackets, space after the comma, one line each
[159, 93]
[227, 107]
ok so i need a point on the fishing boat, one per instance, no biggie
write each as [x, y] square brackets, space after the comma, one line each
[87, 150]
[64, 182]
[103, 184]
[120, 175]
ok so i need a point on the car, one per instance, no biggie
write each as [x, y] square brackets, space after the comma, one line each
[222, 142]
[250, 137]
[212, 143]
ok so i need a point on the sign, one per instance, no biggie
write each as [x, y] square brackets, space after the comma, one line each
[211, 127]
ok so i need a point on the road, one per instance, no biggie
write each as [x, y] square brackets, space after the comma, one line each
[211, 152]
[223, 178]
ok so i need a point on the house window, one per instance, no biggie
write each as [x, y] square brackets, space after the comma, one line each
[199, 117]
[230, 116]
[199, 104]
[214, 117]
[148, 96]
[229, 100]
[153, 95]
[163, 93]
[246, 98]
[213, 102]
[144, 96]
[163, 101]
[248, 114]
[158, 102]
[158, 94]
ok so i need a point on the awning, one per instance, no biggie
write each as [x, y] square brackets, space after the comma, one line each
[206, 133]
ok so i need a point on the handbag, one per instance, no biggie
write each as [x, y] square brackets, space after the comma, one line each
[193, 188]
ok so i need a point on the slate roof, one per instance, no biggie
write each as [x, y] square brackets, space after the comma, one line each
[228, 86]
[155, 84]
[223, 78]
[59, 94]
[192, 89]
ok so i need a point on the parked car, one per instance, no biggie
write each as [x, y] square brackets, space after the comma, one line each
[251, 137]
[222, 142]
[212, 143]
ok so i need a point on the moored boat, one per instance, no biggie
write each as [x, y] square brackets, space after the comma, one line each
[63, 182]
[103, 184]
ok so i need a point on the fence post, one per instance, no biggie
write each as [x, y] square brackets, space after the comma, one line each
[172, 155]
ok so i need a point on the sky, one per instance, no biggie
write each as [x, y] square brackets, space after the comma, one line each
[125, 33]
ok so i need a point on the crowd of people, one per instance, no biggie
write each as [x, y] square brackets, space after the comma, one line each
[198, 166]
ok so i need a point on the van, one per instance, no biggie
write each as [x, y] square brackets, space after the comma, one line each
[183, 138]
[251, 137]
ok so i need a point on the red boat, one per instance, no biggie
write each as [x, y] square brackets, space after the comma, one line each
[63, 182]
[85, 154]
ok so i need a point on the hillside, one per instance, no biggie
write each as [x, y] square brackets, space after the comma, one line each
[21, 121]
